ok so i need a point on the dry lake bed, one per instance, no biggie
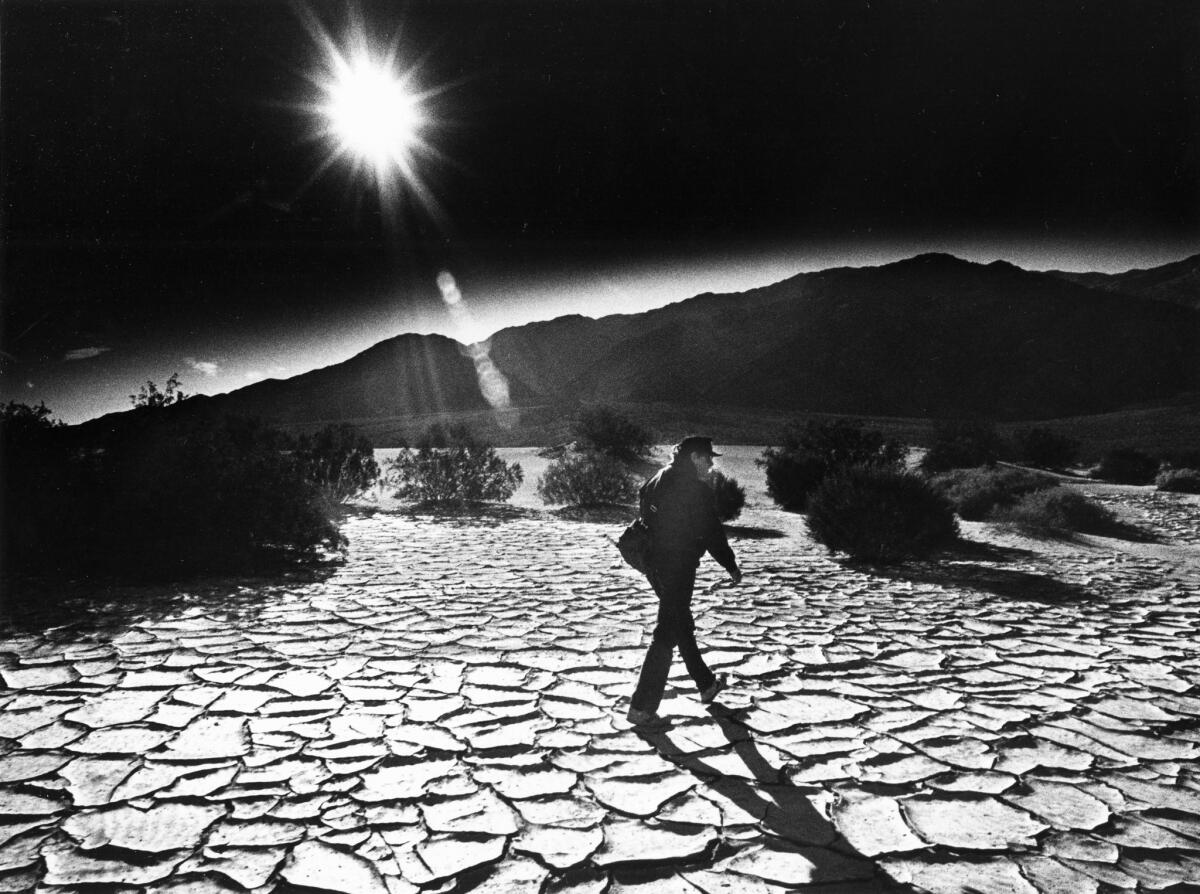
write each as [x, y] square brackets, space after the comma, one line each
[445, 712]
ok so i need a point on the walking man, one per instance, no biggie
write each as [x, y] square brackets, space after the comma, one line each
[680, 511]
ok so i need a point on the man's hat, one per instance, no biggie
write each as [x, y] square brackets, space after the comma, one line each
[696, 444]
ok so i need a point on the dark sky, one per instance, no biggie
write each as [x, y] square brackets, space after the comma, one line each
[155, 165]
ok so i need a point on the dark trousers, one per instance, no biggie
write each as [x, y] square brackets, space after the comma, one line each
[673, 582]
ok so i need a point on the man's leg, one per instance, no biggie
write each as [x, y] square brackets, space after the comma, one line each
[673, 584]
[685, 630]
[657, 664]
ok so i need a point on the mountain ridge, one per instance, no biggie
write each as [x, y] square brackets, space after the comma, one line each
[929, 336]
[1177, 282]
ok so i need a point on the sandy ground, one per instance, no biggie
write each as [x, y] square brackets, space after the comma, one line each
[445, 712]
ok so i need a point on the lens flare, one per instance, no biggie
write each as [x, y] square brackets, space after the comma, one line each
[493, 384]
[449, 289]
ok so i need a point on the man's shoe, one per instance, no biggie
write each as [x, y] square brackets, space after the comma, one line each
[646, 721]
[714, 690]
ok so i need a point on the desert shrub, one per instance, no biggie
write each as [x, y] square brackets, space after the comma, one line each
[880, 514]
[588, 478]
[1181, 459]
[172, 498]
[1126, 466]
[339, 460]
[792, 477]
[1182, 481]
[976, 492]
[35, 482]
[1057, 509]
[462, 471]
[236, 487]
[604, 430]
[814, 449]
[962, 445]
[149, 395]
[19, 420]
[729, 495]
[1044, 448]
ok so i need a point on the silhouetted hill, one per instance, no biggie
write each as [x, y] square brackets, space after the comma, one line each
[409, 375]
[936, 336]
[931, 336]
[1178, 283]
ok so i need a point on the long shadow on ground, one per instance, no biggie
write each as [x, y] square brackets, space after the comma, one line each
[65, 611]
[986, 552]
[1118, 530]
[743, 532]
[608, 514]
[470, 515]
[792, 825]
[1006, 583]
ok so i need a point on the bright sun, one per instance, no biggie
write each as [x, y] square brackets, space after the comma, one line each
[372, 114]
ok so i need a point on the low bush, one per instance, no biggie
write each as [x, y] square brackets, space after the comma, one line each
[339, 460]
[1181, 481]
[812, 450]
[229, 489]
[962, 445]
[792, 476]
[36, 479]
[1126, 466]
[604, 430]
[462, 471]
[588, 478]
[20, 422]
[169, 498]
[974, 493]
[880, 514]
[729, 495]
[1044, 448]
[1181, 459]
[1057, 509]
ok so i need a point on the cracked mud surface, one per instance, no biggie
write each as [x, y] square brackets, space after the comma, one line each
[446, 712]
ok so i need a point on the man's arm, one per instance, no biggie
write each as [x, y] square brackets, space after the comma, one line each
[715, 541]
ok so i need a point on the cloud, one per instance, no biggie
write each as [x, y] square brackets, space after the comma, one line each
[85, 353]
[253, 374]
[204, 367]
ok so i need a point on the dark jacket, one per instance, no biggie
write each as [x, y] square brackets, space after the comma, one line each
[681, 512]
